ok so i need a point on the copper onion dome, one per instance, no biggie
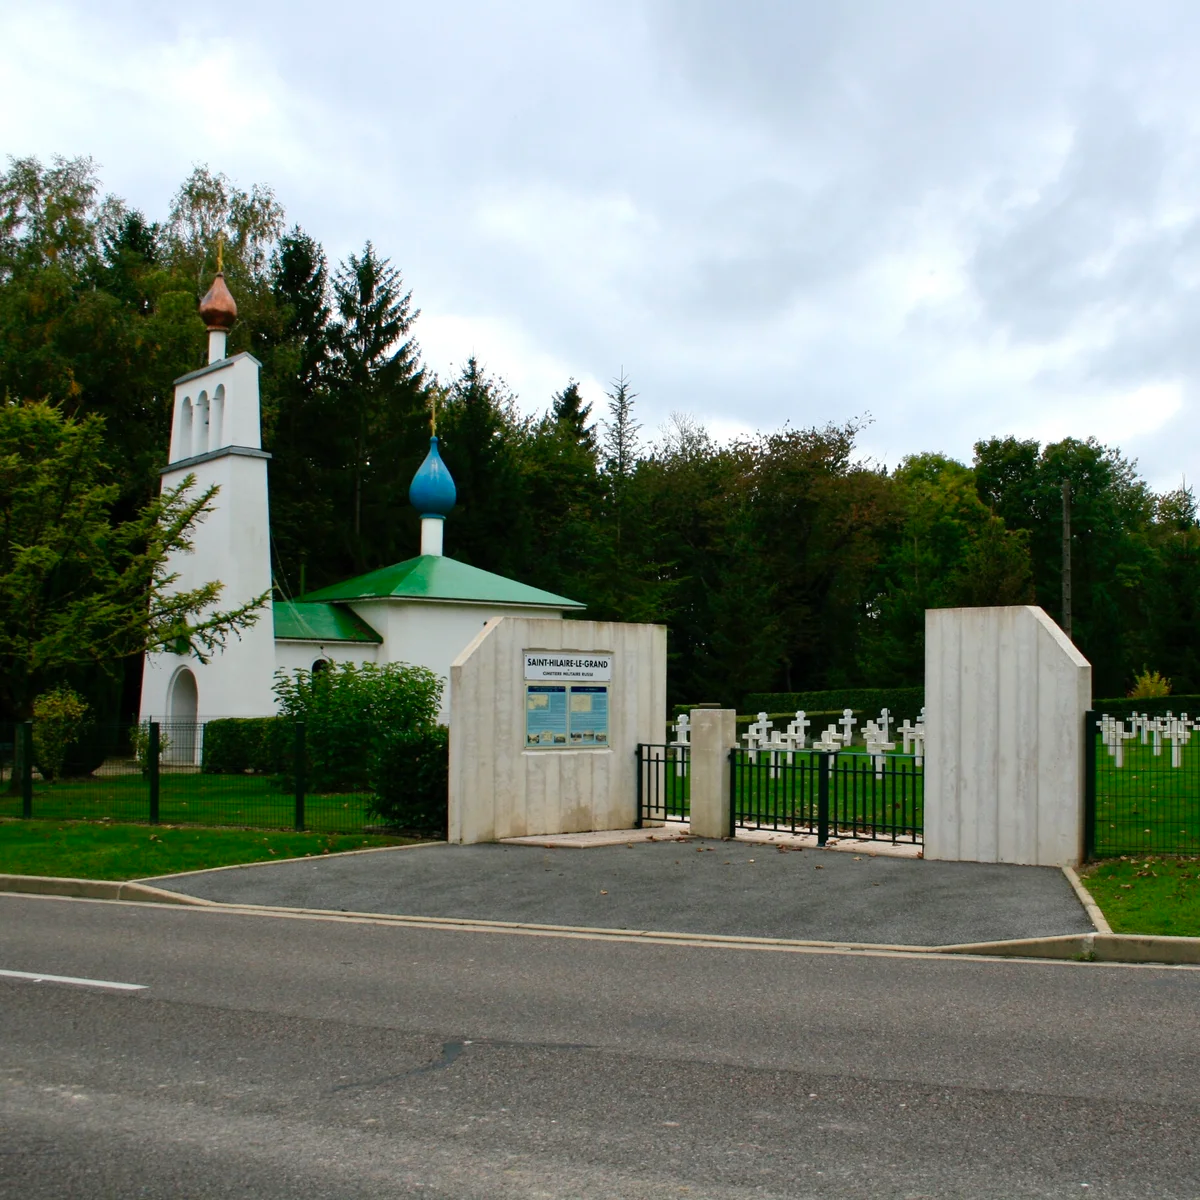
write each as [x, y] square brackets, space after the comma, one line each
[218, 308]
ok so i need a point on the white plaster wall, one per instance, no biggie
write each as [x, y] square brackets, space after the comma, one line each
[230, 544]
[432, 634]
[1005, 694]
[292, 655]
[500, 789]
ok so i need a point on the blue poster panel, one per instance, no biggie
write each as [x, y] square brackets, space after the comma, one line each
[546, 715]
[558, 715]
[589, 715]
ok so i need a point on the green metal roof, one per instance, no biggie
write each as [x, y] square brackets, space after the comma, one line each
[435, 577]
[301, 620]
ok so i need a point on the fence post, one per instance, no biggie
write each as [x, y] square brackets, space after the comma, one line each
[153, 745]
[824, 766]
[298, 751]
[637, 821]
[25, 748]
[733, 790]
[710, 809]
[1089, 785]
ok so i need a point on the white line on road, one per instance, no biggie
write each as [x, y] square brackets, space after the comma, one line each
[37, 977]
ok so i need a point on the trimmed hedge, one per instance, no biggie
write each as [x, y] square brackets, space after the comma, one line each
[1157, 706]
[902, 703]
[246, 745]
[411, 780]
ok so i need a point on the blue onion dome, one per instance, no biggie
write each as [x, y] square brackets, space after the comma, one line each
[432, 491]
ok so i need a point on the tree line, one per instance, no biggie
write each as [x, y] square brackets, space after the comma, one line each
[783, 561]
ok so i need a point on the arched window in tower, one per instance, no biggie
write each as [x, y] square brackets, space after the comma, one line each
[321, 666]
[200, 425]
[183, 448]
[216, 419]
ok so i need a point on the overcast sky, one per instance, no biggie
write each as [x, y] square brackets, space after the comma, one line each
[962, 218]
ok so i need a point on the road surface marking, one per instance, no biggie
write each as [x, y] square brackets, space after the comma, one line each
[38, 977]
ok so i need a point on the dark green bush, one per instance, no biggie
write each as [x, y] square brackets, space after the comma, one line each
[410, 778]
[351, 713]
[1156, 706]
[902, 703]
[237, 745]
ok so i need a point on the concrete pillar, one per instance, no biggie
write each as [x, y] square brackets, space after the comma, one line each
[714, 734]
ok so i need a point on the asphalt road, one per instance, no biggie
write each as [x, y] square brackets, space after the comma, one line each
[729, 888]
[277, 1057]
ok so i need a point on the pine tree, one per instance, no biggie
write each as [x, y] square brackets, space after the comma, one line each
[481, 433]
[379, 389]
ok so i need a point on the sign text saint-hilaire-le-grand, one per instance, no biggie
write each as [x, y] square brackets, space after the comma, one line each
[575, 666]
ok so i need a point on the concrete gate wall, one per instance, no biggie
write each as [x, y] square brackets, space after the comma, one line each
[498, 787]
[1005, 696]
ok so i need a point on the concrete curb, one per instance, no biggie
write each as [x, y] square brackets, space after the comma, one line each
[1077, 947]
[96, 889]
[1092, 909]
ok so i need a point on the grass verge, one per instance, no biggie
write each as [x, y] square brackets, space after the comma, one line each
[90, 850]
[1150, 894]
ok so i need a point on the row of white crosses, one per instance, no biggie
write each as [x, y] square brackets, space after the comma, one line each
[1153, 731]
[762, 736]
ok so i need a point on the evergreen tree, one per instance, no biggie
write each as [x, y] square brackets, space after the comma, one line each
[298, 412]
[380, 396]
[481, 435]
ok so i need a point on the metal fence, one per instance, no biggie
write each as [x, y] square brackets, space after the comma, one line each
[155, 772]
[876, 797]
[1142, 784]
[663, 783]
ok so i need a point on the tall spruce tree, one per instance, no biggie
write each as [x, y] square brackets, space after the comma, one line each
[380, 399]
[481, 435]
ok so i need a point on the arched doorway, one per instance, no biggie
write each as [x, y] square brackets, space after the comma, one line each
[183, 744]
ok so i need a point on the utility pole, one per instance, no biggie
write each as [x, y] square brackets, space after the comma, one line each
[1066, 558]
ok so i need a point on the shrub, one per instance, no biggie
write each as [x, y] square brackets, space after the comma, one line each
[1149, 685]
[411, 780]
[351, 713]
[140, 739]
[245, 745]
[60, 720]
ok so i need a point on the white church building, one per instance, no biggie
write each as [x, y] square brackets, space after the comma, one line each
[423, 611]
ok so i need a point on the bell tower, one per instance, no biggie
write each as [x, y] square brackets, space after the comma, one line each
[215, 436]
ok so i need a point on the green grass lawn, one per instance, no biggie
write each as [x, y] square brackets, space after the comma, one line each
[194, 799]
[95, 850]
[1148, 894]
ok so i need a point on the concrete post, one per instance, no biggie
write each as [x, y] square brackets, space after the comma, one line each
[714, 734]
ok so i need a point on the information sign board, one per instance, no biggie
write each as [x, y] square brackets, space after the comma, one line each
[570, 709]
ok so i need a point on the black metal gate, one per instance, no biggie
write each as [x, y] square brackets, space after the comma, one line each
[663, 783]
[876, 797]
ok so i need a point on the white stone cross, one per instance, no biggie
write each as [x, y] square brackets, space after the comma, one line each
[829, 740]
[756, 735]
[919, 740]
[906, 732]
[877, 744]
[797, 730]
[885, 723]
[682, 742]
[847, 722]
